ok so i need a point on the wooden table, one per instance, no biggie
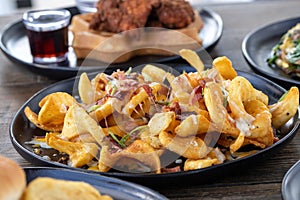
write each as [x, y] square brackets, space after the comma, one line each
[260, 181]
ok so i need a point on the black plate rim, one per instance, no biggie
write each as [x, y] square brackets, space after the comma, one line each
[121, 186]
[25, 152]
[288, 177]
[73, 70]
[252, 62]
[220, 26]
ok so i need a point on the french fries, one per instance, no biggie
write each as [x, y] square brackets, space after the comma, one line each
[131, 120]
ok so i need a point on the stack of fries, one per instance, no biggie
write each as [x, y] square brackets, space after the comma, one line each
[128, 121]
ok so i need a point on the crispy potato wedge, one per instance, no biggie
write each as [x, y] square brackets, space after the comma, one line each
[160, 122]
[138, 150]
[115, 129]
[214, 101]
[262, 121]
[188, 147]
[238, 143]
[150, 139]
[285, 109]
[193, 59]
[240, 91]
[260, 130]
[80, 153]
[140, 97]
[224, 66]
[104, 110]
[33, 118]
[54, 107]
[191, 164]
[194, 124]
[99, 84]
[78, 122]
[85, 89]
[155, 74]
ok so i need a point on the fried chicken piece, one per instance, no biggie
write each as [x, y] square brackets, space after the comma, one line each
[106, 5]
[175, 13]
[121, 15]
[107, 17]
[135, 14]
[117, 16]
[101, 22]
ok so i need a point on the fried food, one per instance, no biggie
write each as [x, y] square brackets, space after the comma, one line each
[139, 151]
[193, 125]
[192, 58]
[85, 89]
[13, 186]
[207, 117]
[285, 107]
[224, 67]
[49, 188]
[217, 109]
[286, 54]
[188, 147]
[78, 123]
[175, 13]
[123, 29]
[117, 16]
[80, 153]
[52, 113]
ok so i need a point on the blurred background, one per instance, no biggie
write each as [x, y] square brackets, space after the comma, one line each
[9, 6]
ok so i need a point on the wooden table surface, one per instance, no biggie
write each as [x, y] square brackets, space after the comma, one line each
[260, 181]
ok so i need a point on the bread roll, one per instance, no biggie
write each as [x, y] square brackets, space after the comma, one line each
[12, 179]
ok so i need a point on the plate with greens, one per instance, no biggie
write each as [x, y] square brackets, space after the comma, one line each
[262, 49]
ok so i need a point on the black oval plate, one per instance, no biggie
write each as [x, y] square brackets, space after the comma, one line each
[117, 189]
[290, 187]
[21, 130]
[14, 44]
[257, 47]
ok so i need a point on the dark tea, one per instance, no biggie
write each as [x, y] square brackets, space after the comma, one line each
[48, 44]
[47, 31]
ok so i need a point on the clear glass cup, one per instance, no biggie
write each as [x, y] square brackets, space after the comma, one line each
[47, 32]
[86, 6]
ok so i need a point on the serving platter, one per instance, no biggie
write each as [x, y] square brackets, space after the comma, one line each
[115, 188]
[257, 47]
[14, 44]
[22, 131]
[290, 187]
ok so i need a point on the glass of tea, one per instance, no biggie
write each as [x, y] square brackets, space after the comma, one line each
[47, 32]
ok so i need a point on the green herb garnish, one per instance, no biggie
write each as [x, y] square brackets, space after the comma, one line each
[93, 108]
[164, 103]
[113, 90]
[294, 56]
[123, 140]
[128, 71]
[116, 139]
[283, 96]
[125, 137]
